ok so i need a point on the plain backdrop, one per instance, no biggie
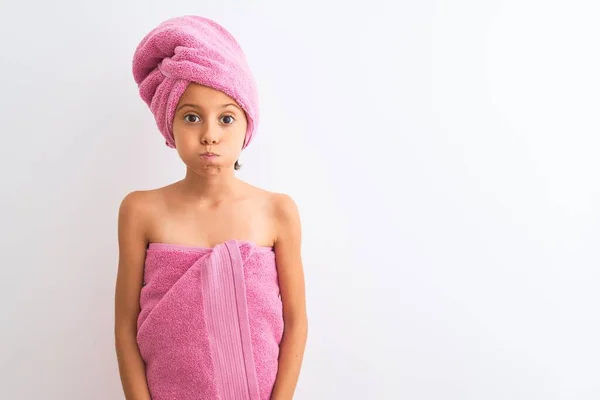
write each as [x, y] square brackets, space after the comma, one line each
[444, 156]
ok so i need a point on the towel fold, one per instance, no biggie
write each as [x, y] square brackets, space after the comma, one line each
[192, 49]
[211, 321]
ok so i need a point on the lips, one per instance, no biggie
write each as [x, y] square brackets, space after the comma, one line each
[209, 155]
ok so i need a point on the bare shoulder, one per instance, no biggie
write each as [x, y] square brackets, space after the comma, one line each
[280, 204]
[286, 217]
[134, 201]
[138, 203]
[140, 200]
[138, 207]
[284, 206]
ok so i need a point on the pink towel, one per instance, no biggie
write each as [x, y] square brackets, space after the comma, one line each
[211, 321]
[192, 49]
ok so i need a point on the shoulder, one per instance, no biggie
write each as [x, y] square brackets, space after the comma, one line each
[284, 206]
[138, 206]
[145, 200]
[137, 202]
[280, 205]
[286, 217]
[133, 211]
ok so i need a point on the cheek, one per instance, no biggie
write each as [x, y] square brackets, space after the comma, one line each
[240, 133]
[186, 148]
[239, 138]
[183, 134]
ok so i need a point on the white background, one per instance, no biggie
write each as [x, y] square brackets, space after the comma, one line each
[443, 154]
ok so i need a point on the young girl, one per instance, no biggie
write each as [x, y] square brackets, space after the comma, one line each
[209, 300]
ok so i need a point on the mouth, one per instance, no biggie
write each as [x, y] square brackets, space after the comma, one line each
[209, 155]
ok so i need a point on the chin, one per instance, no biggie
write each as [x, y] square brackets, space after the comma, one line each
[208, 169]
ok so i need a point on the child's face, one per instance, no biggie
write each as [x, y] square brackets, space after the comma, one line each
[207, 120]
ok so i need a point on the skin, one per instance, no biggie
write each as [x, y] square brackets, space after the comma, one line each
[209, 206]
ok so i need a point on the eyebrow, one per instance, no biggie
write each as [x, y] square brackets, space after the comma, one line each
[198, 107]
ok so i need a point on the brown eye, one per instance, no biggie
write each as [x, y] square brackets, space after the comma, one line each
[227, 119]
[191, 118]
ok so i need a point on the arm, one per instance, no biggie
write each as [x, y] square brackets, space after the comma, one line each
[132, 252]
[291, 283]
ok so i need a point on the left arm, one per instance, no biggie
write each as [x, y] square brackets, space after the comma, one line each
[291, 284]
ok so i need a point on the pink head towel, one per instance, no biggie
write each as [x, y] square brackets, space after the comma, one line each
[192, 49]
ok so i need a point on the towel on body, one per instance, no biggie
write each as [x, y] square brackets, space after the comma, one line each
[211, 321]
[192, 49]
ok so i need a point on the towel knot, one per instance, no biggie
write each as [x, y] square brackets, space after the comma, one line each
[164, 71]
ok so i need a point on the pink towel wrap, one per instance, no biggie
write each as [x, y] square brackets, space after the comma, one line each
[211, 321]
[192, 49]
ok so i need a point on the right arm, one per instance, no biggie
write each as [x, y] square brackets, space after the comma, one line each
[132, 252]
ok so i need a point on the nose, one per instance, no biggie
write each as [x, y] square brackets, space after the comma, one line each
[206, 140]
[210, 136]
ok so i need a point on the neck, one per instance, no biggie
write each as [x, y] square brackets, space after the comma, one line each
[211, 188]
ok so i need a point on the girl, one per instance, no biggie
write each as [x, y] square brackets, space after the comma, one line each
[209, 300]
